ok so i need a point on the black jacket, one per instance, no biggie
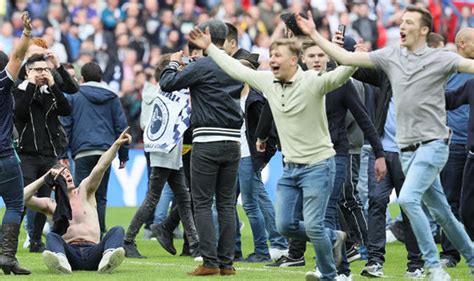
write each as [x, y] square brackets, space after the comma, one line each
[337, 103]
[253, 108]
[215, 95]
[36, 119]
[378, 78]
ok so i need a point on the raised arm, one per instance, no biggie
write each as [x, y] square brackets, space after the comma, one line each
[19, 52]
[342, 56]
[230, 65]
[91, 183]
[43, 205]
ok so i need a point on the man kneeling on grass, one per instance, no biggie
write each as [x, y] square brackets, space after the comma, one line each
[74, 243]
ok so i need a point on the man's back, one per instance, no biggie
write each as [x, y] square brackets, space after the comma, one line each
[97, 118]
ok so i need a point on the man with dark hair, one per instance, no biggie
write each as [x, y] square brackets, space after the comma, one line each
[66, 84]
[96, 120]
[38, 103]
[435, 40]
[217, 119]
[91, 72]
[231, 44]
[11, 178]
[417, 74]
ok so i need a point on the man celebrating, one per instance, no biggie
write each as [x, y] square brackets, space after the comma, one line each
[79, 247]
[418, 75]
[297, 104]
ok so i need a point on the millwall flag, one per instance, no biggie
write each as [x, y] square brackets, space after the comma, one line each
[169, 119]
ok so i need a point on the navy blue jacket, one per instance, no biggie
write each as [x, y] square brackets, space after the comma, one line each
[96, 120]
[458, 97]
[6, 111]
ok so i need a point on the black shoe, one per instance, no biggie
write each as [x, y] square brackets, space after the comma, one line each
[285, 261]
[131, 250]
[36, 247]
[352, 254]
[164, 237]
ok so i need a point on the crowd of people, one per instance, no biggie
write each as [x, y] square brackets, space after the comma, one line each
[127, 38]
[216, 106]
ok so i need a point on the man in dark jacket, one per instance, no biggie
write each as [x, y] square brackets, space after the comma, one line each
[217, 120]
[66, 84]
[96, 120]
[38, 103]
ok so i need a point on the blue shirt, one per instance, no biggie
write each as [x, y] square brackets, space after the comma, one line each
[6, 111]
[458, 118]
[389, 141]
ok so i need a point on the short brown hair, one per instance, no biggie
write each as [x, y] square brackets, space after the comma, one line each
[307, 44]
[291, 43]
[434, 39]
[426, 17]
[160, 65]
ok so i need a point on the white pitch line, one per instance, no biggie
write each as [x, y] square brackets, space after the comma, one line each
[238, 268]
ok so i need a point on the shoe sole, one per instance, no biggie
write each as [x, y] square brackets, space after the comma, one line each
[354, 258]
[115, 260]
[52, 262]
[371, 275]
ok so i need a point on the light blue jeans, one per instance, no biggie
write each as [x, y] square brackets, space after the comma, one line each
[161, 211]
[422, 182]
[308, 188]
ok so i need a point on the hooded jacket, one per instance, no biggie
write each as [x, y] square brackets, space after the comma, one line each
[36, 119]
[96, 121]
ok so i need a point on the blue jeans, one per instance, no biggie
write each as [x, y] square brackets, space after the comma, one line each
[314, 184]
[83, 169]
[363, 183]
[88, 255]
[422, 182]
[161, 211]
[277, 240]
[11, 189]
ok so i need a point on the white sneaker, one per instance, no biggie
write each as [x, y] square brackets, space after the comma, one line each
[390, 237]
[198, 259]
[111, 259]
[313, 275]
[56, 262]
[343, 277]
[275, 254]
[416, 274]
[26, 244]
[438, 274]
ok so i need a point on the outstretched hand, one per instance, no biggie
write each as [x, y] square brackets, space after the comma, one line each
[124, 137]
[307, 26]
[25, 17]
[200, 39]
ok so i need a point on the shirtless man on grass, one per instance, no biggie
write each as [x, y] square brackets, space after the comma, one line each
[80, 246]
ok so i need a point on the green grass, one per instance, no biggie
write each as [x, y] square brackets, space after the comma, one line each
[161, 266]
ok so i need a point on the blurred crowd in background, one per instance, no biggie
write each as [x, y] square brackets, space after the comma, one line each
[127, 38]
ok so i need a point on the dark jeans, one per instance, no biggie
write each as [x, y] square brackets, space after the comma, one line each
[84, 166]
[85, 256]
[350, 203]
[34, 167]
[379, 197]
[213, 174]
[11, 189]
[158, 178]
[452, 180]
[467, 196]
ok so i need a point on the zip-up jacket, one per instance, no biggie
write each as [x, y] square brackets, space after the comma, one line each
[215, 97]
[96, 121]
[36, 119]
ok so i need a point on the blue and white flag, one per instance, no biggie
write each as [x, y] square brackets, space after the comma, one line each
[169, 119]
